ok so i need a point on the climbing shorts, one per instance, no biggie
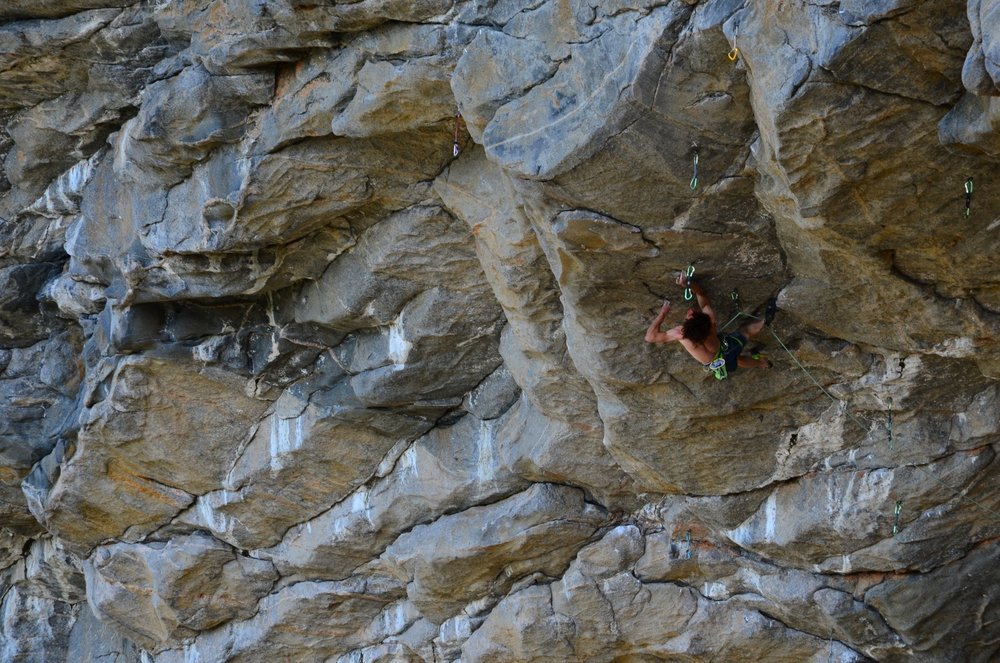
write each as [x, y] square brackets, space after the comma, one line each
[731, 346]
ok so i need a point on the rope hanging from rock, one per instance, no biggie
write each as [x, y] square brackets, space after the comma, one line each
[968, 197]
[868, 428]
[689, 275]
[735, 296]
[454, 147]
[694, 177]
[956, 493]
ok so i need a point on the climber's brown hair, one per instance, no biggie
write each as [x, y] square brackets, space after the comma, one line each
[697, 327]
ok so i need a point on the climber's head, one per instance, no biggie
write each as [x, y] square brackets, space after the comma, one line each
[697, 326]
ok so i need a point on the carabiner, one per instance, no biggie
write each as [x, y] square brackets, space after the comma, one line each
[968, 197]
[688, 277]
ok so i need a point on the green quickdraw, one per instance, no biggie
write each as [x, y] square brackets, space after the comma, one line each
[688, 278]
[897, 511]
[968, 197]
[694, 178]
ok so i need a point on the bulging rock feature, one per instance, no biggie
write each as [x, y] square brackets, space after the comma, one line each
[322, 331]
[167, 592]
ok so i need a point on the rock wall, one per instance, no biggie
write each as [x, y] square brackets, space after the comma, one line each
[321, 330]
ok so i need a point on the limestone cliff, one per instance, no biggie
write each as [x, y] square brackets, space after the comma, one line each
[321, 330]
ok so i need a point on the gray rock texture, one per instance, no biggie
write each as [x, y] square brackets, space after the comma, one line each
[321, 331]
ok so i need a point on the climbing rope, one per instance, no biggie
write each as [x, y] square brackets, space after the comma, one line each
[688, 278]
[454, 147]
[868, 428]
[833, 398]
[694, 177]
[899, 503]
[735, 296]
[968, 197]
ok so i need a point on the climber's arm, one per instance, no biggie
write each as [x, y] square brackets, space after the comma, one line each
[703, 302]
[653, 333]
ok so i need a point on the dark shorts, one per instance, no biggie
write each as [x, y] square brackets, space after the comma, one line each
[732, 346]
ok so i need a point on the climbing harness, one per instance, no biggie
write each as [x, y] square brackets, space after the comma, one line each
[968, 197]
[734, 52]
[694, 177]
[454, 147]
[688, 278]
[718, 364]
[896, 512]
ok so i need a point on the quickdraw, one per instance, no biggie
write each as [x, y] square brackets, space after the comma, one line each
[968, 197]
[898, 510]
[687, 539]
[694, 177]
[688, 277]
[735, 52]
[454, 147]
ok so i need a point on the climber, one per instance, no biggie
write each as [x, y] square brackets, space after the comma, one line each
[721, 353]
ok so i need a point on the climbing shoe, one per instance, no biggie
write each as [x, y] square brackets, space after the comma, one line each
[757, 352]
[772, 308]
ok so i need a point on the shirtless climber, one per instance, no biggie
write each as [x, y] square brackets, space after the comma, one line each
[700, 337]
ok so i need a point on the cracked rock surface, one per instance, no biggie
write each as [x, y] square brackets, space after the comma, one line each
[321, 331]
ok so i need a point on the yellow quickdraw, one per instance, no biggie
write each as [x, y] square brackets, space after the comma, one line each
[733, 54]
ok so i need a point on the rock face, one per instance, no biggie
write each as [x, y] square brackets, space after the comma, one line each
[321, 331]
